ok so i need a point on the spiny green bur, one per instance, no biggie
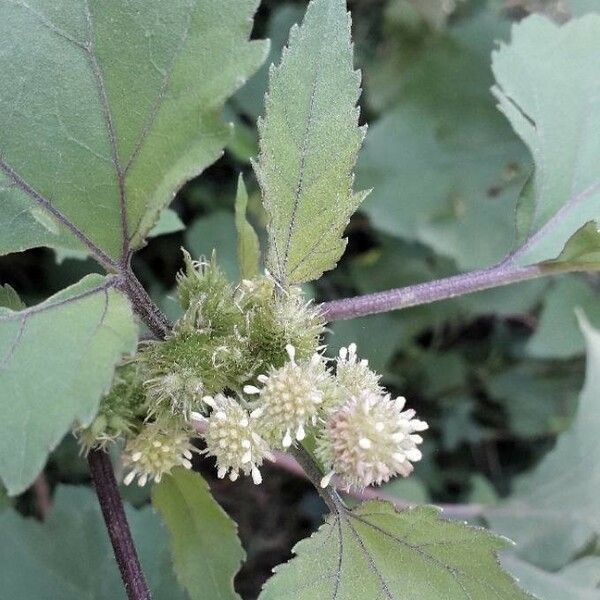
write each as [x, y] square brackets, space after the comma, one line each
[120, 411]
[246, 328]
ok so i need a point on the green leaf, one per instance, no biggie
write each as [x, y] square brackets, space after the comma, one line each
[554, 512]
[578, 581]
[248, 248]
[309, 140]
[583, 248]
[69, 557]
[9, 298]
[168, 222]
[58, 358]
[538, 398]
[548, 87]
[204, 544]
[444, 166]
[215, 232]
[107, 109]
[557, 334]
[378, 552]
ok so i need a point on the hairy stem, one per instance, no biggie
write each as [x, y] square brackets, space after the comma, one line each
[501, 274]
[118, 528]
[101, 467]
[143, 305]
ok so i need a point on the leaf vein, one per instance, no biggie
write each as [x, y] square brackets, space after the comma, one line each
[21, 184]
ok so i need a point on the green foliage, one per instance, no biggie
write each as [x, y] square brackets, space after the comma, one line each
[519, 390]
[444, 166]
[204, 545]
[248, 249]
[377, 552]
[215, 232]
[10, 299]
[106, 110]
[168, 222]
[119, 411]
[69, 556]
[309, 140]
[553, 513]
[58, 359]
[557, 334]
[92, 148]
[251, 98]
[577, 581]
[557, 64]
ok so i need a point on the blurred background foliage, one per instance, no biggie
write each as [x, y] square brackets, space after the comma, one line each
[496, 373]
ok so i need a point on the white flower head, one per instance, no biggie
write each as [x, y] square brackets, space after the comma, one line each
[369, 439]
[231, 437]
[155, 451]
[354, 375]
[290, 398]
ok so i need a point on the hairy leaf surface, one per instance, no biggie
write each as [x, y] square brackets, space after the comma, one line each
[68, 557]
[309, 140]
[106, 109]
[56, 360]
[554, 512]
[548, 85]
[204, 544]
[378, 553]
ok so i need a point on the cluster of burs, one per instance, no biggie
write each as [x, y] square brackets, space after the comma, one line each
[243, 370]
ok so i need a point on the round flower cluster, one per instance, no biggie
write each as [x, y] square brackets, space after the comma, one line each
[289, 398]
[368, 439]
[231, 437]
[354, 375]
[155, 451]
[243, 362]
[362, 435]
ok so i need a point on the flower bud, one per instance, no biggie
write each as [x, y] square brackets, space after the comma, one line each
[354, 375]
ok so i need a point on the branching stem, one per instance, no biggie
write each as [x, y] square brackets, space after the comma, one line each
[101, 467]
[501, 274]
[112, 507]
[143, 305]
[118, 528]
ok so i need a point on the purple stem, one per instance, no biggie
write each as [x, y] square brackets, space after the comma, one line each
[424, 293]
[118, 528]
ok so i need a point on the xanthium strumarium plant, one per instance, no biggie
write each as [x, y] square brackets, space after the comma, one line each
[91, 152]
